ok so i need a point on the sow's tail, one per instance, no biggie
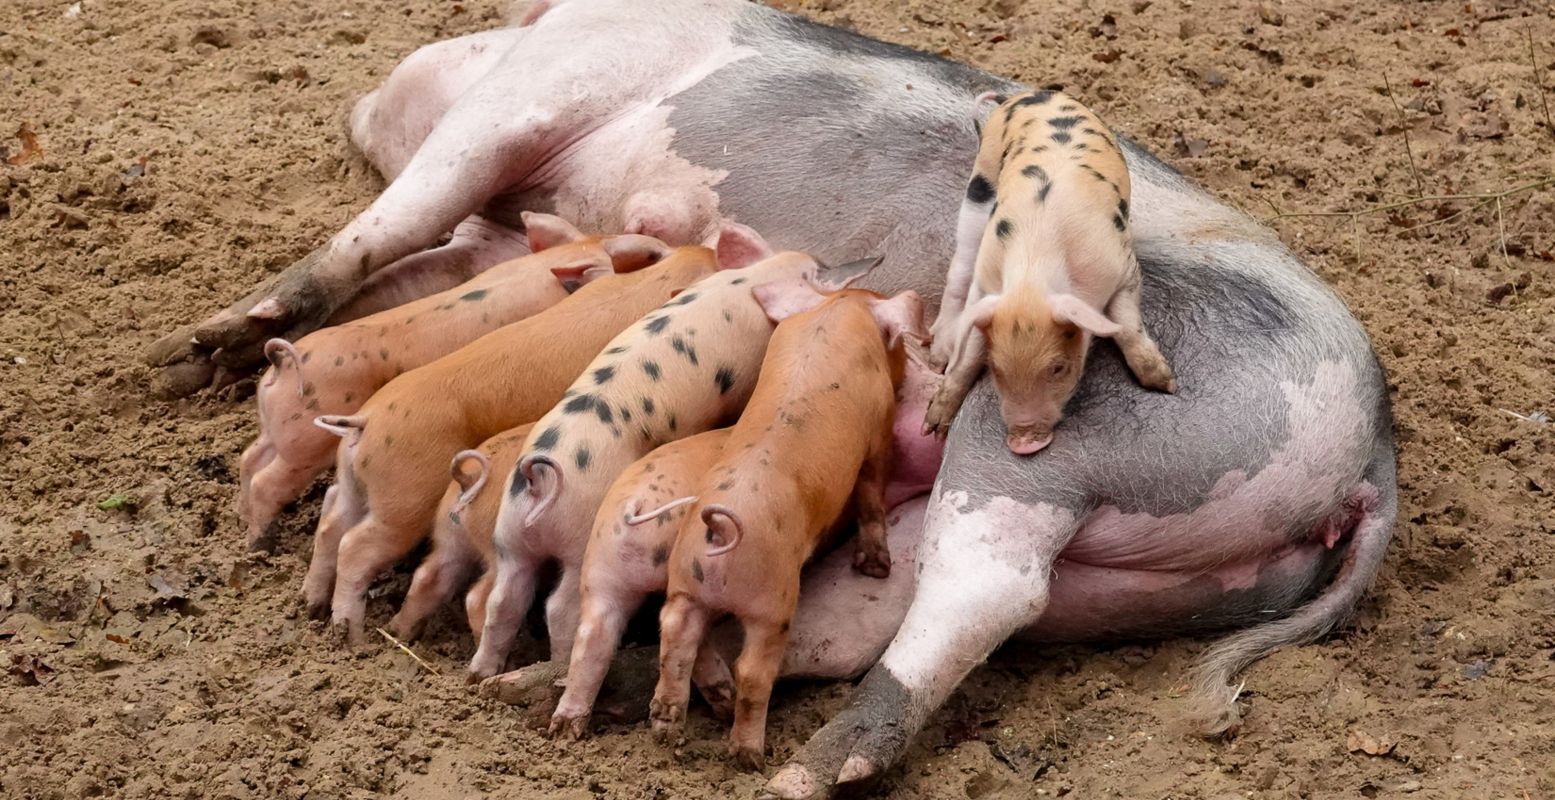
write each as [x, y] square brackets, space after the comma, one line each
[274, 349]
[1212, 703]
[470, 483]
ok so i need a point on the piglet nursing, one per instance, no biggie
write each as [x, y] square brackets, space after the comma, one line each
[335, 370]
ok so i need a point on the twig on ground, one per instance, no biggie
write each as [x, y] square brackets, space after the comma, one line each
[408, 651]
[1481, 199]
[1538, 82]
[1409, 150]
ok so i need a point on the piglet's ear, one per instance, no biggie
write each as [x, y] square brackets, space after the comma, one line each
[633, 251]
[1071, 309]
[980, 314]
[737, 245]
[573, 276]
[900, 316]
[548, 230]
[784, 299]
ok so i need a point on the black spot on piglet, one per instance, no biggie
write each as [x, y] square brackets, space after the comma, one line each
[582, 459]
[1004, 229]
[696, 566]
[651, 368]
[657, 324]
[603, 375]
[979, 190]
[548, 438]
[473, 296]
[579, 404]
[725, 378]
[661, 554]
[518, 485]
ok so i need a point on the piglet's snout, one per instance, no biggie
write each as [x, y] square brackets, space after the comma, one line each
[1025, 441]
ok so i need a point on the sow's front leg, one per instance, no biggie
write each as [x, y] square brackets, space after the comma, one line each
[495, 138]
[984, 569]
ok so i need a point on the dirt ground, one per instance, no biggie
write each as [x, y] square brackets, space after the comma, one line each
[188, 147]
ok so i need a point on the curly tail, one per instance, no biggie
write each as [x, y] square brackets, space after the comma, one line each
[634, 518]
[470, 484]
[273, 351]
[544, 479]
[348, 428]
[723, 527]
[1212, 702]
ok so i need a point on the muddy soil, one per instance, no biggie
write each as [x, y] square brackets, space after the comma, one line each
[179, 150]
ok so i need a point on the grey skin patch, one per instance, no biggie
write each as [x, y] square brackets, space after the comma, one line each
[470, 297]
[579, 404]
[1064, 123]
[696, 570]
[979, 190]
[547, 438]
[657, 324]
[651, 369]
[1060, 137]
[603, 375]
[1035, 171]
[518, 485]
[724, 377]
[582, 458]
[1004, 229]
[1234, 340]
[684, 349]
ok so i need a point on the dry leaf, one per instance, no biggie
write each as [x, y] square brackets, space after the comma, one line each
[1361, 742]
[31, 150]
[32, 671]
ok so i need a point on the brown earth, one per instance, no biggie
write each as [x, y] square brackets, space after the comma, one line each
[189, 147]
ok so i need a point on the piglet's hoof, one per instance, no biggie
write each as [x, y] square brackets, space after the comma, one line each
[748, 758]
[669, 723]
[570, 727]
[872, 561]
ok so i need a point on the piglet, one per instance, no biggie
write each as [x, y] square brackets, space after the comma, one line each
[816, 433]
[461, 537]
[624, 562]
[629, 546]
[333, 371]
[391, 468]
[687, 367]
[1044, 226]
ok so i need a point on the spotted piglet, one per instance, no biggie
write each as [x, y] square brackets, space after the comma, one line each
[461, 537]
[392, 467]
[335, 370]
[624, 562]
[816, 434]
[1044, 261]
[638, 522]
[682, 369]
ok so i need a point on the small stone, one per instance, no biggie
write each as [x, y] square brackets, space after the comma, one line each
[1270, 15]
[1407, 787]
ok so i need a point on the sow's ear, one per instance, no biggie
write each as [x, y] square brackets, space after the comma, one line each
[835, 279]
[986, 103]
[900, 316]
[784, 299]
[1071, 309]
[633, 251]
[737, 245]
[548, 230]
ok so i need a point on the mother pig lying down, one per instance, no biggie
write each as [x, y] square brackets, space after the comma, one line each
[1277, 448]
